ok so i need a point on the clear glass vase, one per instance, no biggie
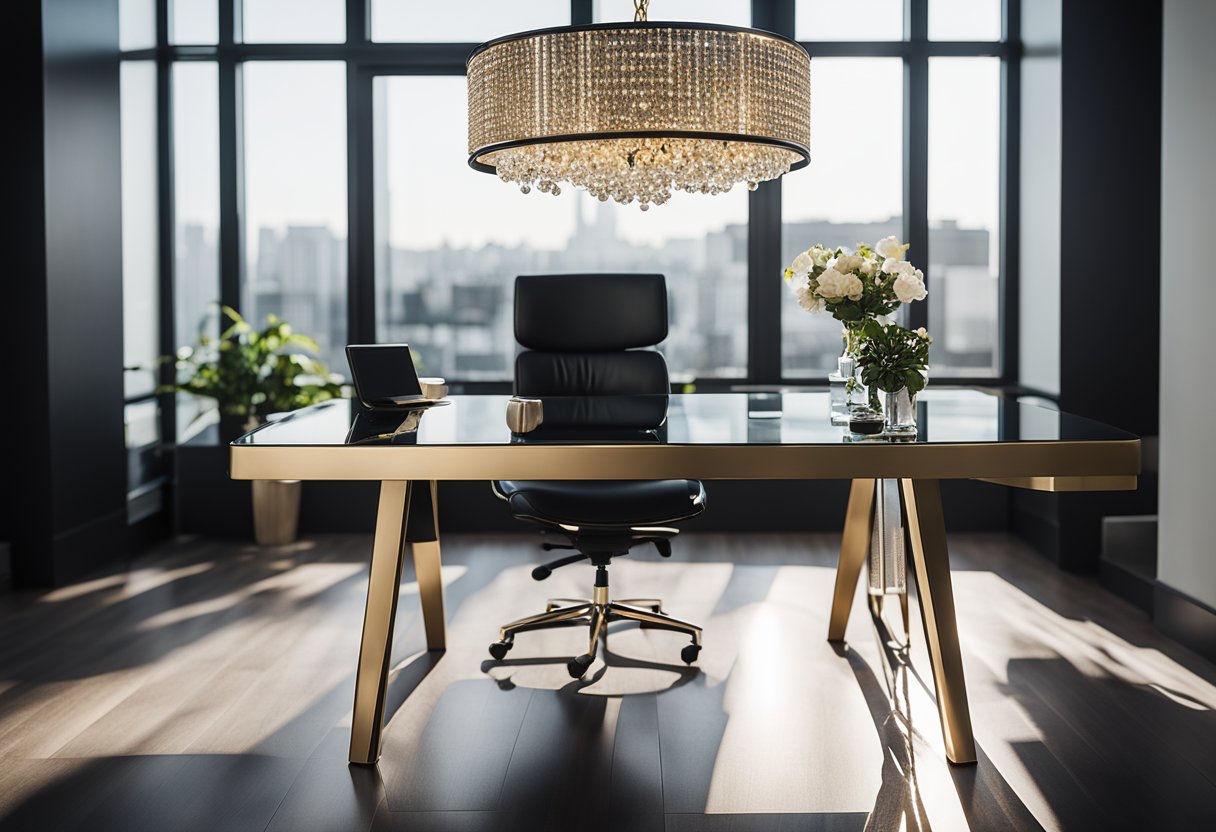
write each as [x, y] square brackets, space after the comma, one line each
[857, 396]
[899, 408]
[888, 559]
[838, 386]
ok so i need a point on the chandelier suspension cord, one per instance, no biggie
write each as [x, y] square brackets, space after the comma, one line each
[639, 10]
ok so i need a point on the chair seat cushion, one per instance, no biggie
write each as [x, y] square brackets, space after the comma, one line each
[609, 503]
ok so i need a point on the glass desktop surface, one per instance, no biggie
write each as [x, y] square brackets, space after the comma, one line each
[943, 417]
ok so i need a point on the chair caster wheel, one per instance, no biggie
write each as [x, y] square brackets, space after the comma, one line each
[499, 649]
[578, 665]
[689, 653]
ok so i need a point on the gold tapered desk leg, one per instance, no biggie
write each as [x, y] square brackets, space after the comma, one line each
[375, 652]
[854, 546]
[903, 613]
[927, 530]
[423, 534]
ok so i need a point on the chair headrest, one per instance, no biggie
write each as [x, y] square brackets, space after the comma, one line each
[590, 312]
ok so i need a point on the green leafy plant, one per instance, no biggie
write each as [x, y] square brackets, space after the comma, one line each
[251, 373]
[892, 358]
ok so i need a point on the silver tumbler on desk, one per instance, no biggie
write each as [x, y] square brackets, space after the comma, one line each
[524, 415]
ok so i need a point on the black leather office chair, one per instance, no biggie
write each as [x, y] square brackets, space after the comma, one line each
[581, 335]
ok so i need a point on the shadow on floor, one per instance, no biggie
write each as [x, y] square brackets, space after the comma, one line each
[1141, 754]
[986, 798]
[122, 625]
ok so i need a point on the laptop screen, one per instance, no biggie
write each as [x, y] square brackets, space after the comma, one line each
[382, 372]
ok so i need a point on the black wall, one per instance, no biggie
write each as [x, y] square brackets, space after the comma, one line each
[1111, 212]
[65, 473]
[1109, 240]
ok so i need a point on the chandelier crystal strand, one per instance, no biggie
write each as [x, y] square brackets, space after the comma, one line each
[634, 111]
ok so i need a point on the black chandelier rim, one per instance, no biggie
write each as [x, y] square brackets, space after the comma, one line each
[629, 25]
[801, 149]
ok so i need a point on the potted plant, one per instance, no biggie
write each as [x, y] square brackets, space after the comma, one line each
[251, 374]
[895, 360]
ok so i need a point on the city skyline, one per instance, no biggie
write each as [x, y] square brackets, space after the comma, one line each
[453, 302]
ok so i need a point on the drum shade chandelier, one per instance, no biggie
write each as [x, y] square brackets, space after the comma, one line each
[631, 111]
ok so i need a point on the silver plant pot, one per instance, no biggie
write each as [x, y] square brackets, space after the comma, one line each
[276, 511]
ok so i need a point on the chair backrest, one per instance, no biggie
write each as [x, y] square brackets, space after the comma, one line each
[581, 334]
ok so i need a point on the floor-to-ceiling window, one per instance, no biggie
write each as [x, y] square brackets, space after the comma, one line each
[311, 154]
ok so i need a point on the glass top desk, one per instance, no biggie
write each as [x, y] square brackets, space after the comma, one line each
[961, 435]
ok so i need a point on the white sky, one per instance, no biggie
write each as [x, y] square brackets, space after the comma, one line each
[295, 126]
[295, 145]
[196, 143]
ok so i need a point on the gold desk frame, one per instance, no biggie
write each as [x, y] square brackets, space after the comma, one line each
[408, 514]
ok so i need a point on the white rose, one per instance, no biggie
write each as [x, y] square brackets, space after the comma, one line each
[808, 301]
[846, 263]
[893, 266]
[802, 264]
[908, 287]
[819, 256]
[868, 265]
[799, 281]
[920, 330]
[890, 247]
[833, 284]
[852, 286]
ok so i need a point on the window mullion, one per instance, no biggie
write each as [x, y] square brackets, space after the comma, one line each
[763, 285]
[361, 206]
[764, 239]
[916, 146]
[358, 22]
[1010, 172]
[232, 14]
[167, 221]
[230, 185]
[167, 333]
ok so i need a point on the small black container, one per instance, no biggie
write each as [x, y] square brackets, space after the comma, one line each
[865, 422]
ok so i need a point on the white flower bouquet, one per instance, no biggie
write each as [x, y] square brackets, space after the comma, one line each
[855, 286]
[860, 289]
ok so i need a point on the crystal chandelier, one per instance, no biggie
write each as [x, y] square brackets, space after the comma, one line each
[633, 111]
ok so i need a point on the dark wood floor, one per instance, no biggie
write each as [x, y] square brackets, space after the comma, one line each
[209, 687]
